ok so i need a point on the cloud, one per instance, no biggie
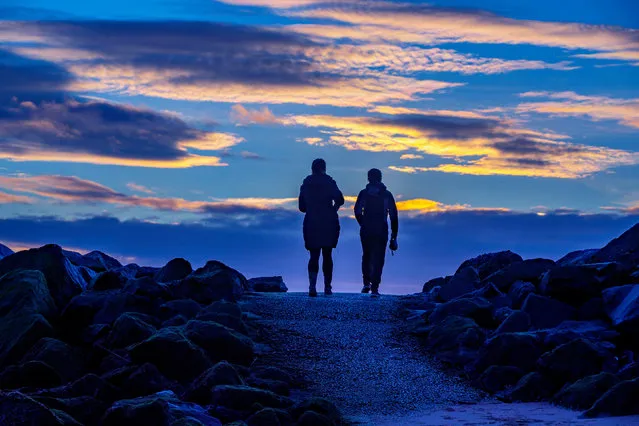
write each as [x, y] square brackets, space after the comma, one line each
[479, 144]
[571, 104]
[242, 115]
[423, 24]
[139, 188]
[14, 199]
[411, 157]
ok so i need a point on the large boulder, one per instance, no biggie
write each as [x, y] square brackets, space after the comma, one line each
[85, 409]
[619, 400]
[19, 409]
[184, 307]
[477, 308]
[545, 312]
[573, 360]
[175, 269]
[455, 340]
[464, 281]
[267, 285]
[108, 280]
[584, 392]
[222, 373]
[162, 408]
[320, 406]
[18, 333]
[64, 280]
[533, 386]
[25, 292]
[622, 306]
[214, 281]
[129, 329]
[517, 321]
[173, 354]
[240, 397]
[146, 286]
[435, 282]
[571, 284]
[5, 251]
[32, 374]
[97, 261]
[489, 263]
[220, 343]
[624, 249]
[520, 350]
[529, 270]
[498, 377]
[577, 257]
[519, 291]
[145, 380]
[595, 331]
[67, 361]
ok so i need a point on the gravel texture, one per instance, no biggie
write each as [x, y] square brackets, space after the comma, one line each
[350, 348]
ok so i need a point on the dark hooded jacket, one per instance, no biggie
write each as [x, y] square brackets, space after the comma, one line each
[320, 198]
[373, 206]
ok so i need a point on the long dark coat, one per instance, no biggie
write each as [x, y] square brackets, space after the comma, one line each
[320, 198]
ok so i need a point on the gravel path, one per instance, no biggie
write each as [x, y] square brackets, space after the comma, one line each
[351, 349]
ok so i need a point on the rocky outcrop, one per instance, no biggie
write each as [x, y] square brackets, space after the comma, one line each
[267, 285]
[136, 345]
[5, 251]
[531, 330]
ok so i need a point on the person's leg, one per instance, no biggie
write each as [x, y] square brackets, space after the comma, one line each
[313, 270]
[327, 269]
[378, 249]
[366, 264]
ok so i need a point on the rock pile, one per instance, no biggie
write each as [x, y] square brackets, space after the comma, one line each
[535, 329]
[86, 340]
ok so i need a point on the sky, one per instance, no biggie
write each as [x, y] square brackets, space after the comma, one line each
[157, 129]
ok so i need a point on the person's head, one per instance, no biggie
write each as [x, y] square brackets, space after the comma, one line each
[374, 175]
[318, 166]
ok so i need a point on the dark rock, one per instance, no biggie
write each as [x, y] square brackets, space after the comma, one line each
[102, 307]
[477, 308]
[318, 405]
[145, 380]
[572, 361]
[127, 330]
[516, 322]
[63, 278]
[267, 285]
[89, 385]
[223, 307]
[229, 416]
[176, 269]
[529, 270]
[435, 282]
[584, 392]
[489, 263]
[222, 373]
[146, 271]
[88, 274]
[275, 386]
[501, 314]
[571, 284]
[185, 307]
[162, 408]
[271, 373]
[519, 291]
[175, 321]
[18, 409]
[464, 281]
[624, 249]
[629, 372]
[532, 387]
[221, 343]
[578, 257]
[108, 280]
[593, 309]
[214, 281]
[510, 349]
[499, 377]
[239, 397]
[172, 353]
[545, 312]
[146, 286]
[596, 331]
[455, 339]
[67, 361]
[269, 417]
[619, 400]
[99, 261]
[5, 251]
[18, 333]
[129, 271]
[230, 321]
[622, 306]
[32, 374]
[84, 409]
[311, 418]
[25, 292]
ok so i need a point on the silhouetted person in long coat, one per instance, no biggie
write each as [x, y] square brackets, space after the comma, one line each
[374, 205]
[320, 199]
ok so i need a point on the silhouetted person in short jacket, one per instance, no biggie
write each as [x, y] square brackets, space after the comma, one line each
[320, 199]
[374, 205]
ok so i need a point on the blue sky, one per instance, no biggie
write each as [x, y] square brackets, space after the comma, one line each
[204, 116]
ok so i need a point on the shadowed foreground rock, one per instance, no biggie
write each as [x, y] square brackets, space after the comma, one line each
[565, 331]
[85, 340]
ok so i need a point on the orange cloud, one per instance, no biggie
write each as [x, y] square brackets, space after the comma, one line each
[11, 198]
[139, 188]
[242, 115]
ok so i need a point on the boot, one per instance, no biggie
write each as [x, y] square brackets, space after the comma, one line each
[367, 286]
[375, 290]
[312, 284]
[328, 289]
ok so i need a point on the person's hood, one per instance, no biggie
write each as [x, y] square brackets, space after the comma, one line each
[375, 189]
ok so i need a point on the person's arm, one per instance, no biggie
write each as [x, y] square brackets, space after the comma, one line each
[338, 197]
[301, 200]
[394, 219]
[359, 208]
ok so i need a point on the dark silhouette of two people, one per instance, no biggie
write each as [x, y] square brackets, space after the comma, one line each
[320, 199]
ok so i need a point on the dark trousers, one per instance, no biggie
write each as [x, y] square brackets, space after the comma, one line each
[327, 263]
[373, 254]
